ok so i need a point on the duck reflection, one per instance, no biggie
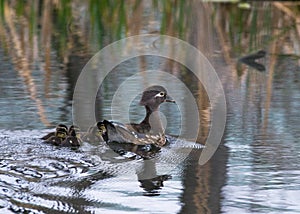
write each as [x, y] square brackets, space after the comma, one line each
[250, 60]
[150, 182]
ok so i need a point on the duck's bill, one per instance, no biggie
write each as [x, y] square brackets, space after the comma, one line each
[170, 101]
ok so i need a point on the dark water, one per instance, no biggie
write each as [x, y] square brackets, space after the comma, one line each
[254, 170]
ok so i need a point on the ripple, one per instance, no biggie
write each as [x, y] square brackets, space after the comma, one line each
[37, 177]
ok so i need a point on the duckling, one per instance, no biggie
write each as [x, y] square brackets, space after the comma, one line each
[72, 140]
[59, 135]
[47, 136]
[76, 129]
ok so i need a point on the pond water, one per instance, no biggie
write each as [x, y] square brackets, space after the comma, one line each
[44, 46]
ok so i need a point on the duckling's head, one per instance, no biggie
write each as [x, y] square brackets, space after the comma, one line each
[74, 127]
[72, 133]
[153, 96]
[102, 129]
[74, 130]
[61, 131]
[62, 126]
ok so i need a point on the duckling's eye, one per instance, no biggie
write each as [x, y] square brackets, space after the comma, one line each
[160, 94]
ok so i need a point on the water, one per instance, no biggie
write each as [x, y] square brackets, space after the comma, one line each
[38, 177]
[256, 167]
[263, 154]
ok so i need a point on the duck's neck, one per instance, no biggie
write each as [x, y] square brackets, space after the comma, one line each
[153, 120]
[148, 113]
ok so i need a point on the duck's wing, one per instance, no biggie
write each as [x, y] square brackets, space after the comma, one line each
[117, 132]
[122, 140]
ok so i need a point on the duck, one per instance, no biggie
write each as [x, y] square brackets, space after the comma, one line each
[51, 134]
[147, 135]
[74, 129]
[57, 137]
[73, 139]
[151, 99]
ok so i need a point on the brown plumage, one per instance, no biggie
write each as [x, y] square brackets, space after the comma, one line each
[149, 132]
[152, 97]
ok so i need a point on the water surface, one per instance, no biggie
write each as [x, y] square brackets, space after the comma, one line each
[44, 46]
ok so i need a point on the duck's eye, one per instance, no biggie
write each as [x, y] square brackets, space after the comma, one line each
[160, 94]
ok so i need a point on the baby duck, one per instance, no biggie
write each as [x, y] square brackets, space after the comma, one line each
[73, 139]
[57, 137]
[76, 129]
[59, 126]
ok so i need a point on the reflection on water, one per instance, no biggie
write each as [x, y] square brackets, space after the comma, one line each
[45, 44]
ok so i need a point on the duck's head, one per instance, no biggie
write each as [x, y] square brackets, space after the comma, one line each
[61, 131]
[153, 96]
[102, 129]
[72, 133]
[74, 129]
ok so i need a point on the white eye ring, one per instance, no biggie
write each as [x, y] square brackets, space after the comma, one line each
[160, 94]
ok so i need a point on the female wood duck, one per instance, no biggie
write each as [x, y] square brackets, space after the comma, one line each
[152, 97]
[149, 132]
[57, 137]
